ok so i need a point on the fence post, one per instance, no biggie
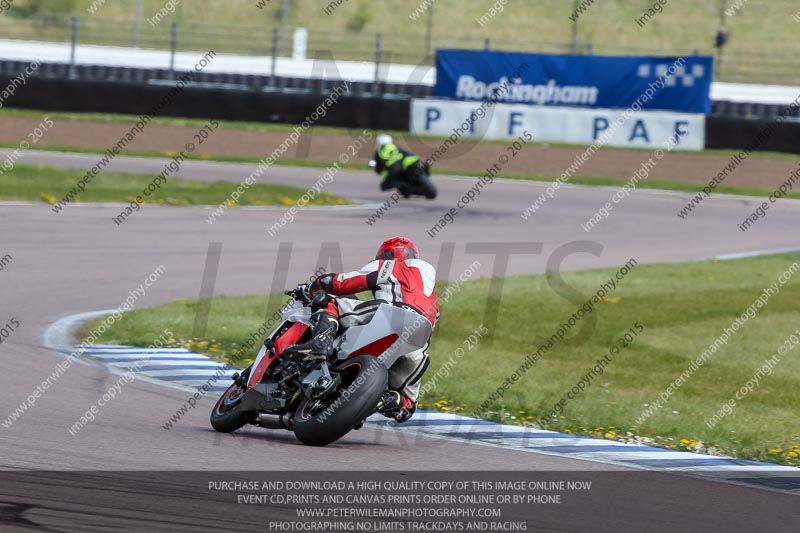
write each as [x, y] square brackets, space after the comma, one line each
[376, 83]
[284, 25]
[486, 44]
[74, 42]
[274, 56]
[173, 48]
[138, 25]
[429, 32]
[575, 29]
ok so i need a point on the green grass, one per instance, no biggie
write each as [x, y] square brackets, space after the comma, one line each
[663, 184]
[761, 45]
[682, 307]
[595, 181]
[50, 184]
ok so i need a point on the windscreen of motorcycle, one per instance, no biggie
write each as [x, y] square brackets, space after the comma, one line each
[297, 312]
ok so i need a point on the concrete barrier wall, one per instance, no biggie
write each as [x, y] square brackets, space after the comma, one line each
[210, 102]
[759, 135]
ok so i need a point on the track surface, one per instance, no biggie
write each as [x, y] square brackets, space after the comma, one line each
[79, 260]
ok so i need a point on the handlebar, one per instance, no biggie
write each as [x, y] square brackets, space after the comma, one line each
[297, 294]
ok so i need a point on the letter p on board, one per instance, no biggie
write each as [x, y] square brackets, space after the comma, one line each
[432, 114]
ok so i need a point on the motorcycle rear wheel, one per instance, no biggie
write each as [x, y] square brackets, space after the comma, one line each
[319, 422]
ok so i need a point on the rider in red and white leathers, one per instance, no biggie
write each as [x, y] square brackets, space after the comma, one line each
[398, 277]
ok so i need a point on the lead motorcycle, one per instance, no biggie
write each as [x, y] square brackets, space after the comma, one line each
[415, 182]
[322, 399]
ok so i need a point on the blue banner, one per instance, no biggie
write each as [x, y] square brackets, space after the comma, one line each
[647, 82]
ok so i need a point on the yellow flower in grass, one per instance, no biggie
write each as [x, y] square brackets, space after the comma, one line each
[775, 451]
[302, 201]
[792, 455]
[285, 200]
[170, 153]
[610, 435]
[568, 432]
[48, 198]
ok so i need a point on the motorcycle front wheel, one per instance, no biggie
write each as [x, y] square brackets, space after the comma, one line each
[426, 187]
[227, 416]
[319, 422]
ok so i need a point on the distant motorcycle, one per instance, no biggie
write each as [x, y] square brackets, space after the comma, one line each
[320, 400]
[415, 181]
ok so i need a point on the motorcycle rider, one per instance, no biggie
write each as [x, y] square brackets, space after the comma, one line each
[398, 277]
[394, 164]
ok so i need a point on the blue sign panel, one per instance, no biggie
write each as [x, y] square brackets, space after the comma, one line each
[647, 82]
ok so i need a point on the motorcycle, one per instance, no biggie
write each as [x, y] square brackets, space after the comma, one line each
[319, 399]
[415, 181]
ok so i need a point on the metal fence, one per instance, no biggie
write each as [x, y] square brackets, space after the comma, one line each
[752, 66]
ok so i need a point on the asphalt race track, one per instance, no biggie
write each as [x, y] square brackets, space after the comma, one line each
[79, 260]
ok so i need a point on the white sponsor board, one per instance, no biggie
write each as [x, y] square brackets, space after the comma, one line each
[481, 120]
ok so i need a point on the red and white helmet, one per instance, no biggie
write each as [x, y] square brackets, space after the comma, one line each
[398, 248]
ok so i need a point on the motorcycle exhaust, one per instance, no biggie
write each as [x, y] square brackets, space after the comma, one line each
[271, 421]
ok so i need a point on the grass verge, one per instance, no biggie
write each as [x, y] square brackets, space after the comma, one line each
[682, 308]
[42, 182]
[659, 184]
[594, 181]
[62, 116]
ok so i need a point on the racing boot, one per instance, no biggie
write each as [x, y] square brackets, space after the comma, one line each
[320, 346]
[396, 405]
